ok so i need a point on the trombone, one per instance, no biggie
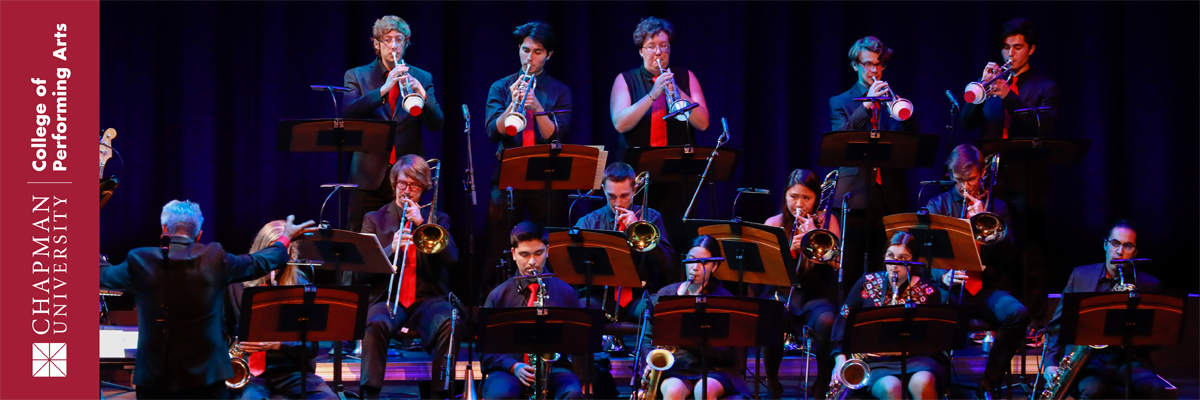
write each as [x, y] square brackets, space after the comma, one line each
[413, 102]
[676, 105]
[987, 227]
[820, 245]
[515, 121]
[429, 238]
[641, 235]
[976, 92]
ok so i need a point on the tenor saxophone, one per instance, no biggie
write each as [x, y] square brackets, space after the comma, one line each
[853, 375]
[241, 369]
[1071, 364]
[657, 361]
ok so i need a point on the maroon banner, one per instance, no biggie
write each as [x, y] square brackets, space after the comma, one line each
[49, 114]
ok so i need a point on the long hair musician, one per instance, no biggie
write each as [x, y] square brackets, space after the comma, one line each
[897, 285]
[681, 380]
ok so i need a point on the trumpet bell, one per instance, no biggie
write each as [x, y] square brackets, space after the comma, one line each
[854, 374]
[988, 228]
[901, 109]
[975, 93]
[431, 238]
[514, 123]
[680, 105]
[819, 246]
[414, 103]
[642, 236]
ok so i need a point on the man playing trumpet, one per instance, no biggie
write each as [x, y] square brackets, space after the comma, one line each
[421, 291]
[508, 373]
[988, 291]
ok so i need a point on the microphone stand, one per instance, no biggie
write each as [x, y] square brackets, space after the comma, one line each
[720, 141]
[469, 187]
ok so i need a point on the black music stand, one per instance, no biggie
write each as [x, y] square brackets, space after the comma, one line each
[563, 330]
[336, 135]
[949, 243]
[1127, 319]
[906, 329]
[592, 257]
[338, 249]
[302, 314]
[704, 321]
[755, 253]
[683, 164]
[552, 167]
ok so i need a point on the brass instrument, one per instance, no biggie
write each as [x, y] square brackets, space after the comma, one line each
[515, 121]
[657, 361]
[390, 303]
[820, 245]
[976, 92]
[541, 362]
[241, 368]
[412, 101]
[1073, 363]
[675, 103]
[895, 288]
[899, 108]
[853, 375]
[642, 236]
[987, 227]
[432, 238]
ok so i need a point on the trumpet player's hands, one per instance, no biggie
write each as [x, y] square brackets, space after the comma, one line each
[661, 85]
[877, 89]
[524, 373]
[416, 85]
[1001, 88]
[989, 71]
[625, 217]
[291, 230]
[393, 78]
[254, 347]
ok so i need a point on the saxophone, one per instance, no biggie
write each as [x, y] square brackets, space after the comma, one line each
[657, 361]
[241, 369]
[1071, 364]
[541, 363]
[853, 375]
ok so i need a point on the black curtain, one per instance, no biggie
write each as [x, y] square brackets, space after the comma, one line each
[196, 91]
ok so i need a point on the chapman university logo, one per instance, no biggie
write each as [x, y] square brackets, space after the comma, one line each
[50, 360]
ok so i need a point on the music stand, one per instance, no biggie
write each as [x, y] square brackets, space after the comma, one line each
[356, 252]
[755, 253]
[683, 164]
[302, 314]
[906, 329]
[552, 167]
[705, 321]
[1127, 319]
[592, 257]
[336, 135]
[563, 330]
[949, 243]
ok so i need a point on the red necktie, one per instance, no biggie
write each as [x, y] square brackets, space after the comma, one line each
[408, 289]
[393, 95]
[1013, 86]
[258, 363]
[1007, 116]
[533, 288]
[623, 297]
[974, 280]
[527, 134]
[658, 126]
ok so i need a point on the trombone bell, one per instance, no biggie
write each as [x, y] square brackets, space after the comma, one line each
[431, 238]
[643, 236]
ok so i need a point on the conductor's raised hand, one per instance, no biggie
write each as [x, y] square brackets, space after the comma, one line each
[293, 231]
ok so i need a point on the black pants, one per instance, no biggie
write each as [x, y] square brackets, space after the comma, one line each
[287, 385]
[431, 318]
[818, 316]
[1008, 315]
[503, 385]
[539, 208]
[215, 390]
[1106, 372]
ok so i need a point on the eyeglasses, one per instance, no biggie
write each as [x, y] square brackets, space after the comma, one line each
[406, 186]
[666, 48]
[1127, 247]
[872, 65]
[398, 40]
[902, 257]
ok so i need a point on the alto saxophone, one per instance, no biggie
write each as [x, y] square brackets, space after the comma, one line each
[541, 363]
[1071, 364]
[657, 361]
[241, 369]
[853, 375]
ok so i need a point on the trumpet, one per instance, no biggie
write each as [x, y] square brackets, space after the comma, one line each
[657, 361]
[432, 238]
[976, 92]
[241, 368]
[641, 235]
[820, 245]
[853, 375]
[987, 227]
[676, 105]
[899, 108]
[515, 121]
[413, 102]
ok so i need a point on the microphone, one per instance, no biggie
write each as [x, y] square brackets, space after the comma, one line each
[510, 199]
[904, 263]
[953, 101]
[725, 126]
[754, 190]
[846, 199]
[943, 183]
[323, 88]
[467, 115]
[584, 196]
